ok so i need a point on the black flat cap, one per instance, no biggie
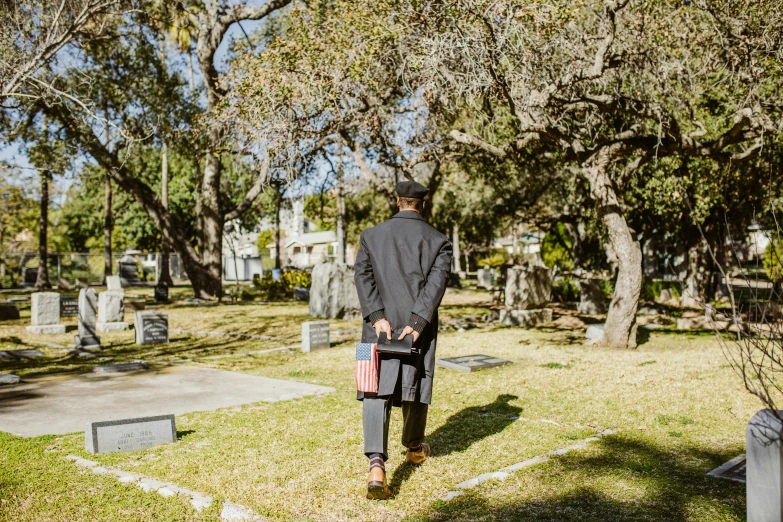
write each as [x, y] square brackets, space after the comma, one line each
[411, 189]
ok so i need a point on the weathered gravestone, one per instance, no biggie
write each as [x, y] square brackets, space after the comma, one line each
[111, 311]
[161, 292]
[484, 277]
[471, 363]
[86, 338]
[333, 292]
[45, 314]
[69, 306]
[9, 378]
[528, 290]
[152, 327]
[129, 434]
[764, 467]
[315, 334]
[591, 298]
[30, 276]
[126, 268]
[301, 294]
[8, 311]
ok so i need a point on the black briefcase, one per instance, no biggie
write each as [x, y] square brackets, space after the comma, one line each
[404, 347]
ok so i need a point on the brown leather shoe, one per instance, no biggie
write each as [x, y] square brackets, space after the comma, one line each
[377, 489]
[417, 457]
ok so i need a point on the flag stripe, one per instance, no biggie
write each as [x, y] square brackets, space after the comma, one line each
[367, 368]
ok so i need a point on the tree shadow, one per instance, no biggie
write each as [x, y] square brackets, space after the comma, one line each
[462, 430]
[673, 480]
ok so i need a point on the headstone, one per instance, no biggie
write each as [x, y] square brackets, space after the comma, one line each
[526, 318]
[8, 378]
[8, 311]
[484, 278]
[668, 298]
[454, 281]
[82, 282]
[301, 294]
[333, 292]
[30, 276]
[127, 271]
[45, 314]
[152, 327]
[129, 434]
[120, 368]
[736, 469]
[161, 292]
[69, 306]
[528, 288]
[315, 334]
[18, 300]
[591, 298]
[113, 283]
[764, 457]
[86, 338]
[595, 332]
[21, 354]
[111, 311]
[471, 363]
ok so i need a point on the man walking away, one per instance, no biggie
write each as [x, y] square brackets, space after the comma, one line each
[401, 272]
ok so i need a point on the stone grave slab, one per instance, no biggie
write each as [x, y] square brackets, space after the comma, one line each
[129, 434]
[161, 294]
[65, 403]
[8, 312]
[471, 363]
[315, 334]
[69, 306]
[124, 367]
[764, 456]
[152, 327]
[21, 354]
[45, 313]
[735, 469]
[113, 283]
[9, 378]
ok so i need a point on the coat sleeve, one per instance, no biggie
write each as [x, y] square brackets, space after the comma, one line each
[431, 295]
[369, 297]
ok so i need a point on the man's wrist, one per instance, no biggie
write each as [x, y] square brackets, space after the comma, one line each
[418, 323]
[376, 316]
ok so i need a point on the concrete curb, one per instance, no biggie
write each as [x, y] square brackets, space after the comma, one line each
[230, 511]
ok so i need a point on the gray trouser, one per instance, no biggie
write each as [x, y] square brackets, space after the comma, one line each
[376, 412]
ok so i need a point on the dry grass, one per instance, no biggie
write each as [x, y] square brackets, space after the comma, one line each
[679, 408]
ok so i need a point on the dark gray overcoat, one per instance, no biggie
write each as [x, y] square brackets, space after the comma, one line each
[402, 266]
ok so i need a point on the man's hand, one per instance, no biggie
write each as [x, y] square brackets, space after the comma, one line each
[407, 331]
[382, 325]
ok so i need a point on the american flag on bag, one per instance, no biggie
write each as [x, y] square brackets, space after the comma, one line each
[367, 367]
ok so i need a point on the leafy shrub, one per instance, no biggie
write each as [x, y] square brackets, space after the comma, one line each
[607, 288]
[271, 290]
[651, 290]
[565, 289]
[494, 260]
[557, 248]
[246, 295]
[773, 261]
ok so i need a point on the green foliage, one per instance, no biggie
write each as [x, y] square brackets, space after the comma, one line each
[557, 248]
[773, 260]
[651, 290]
[495, 259]
[271, 290]
[565, 289]
[265, 237]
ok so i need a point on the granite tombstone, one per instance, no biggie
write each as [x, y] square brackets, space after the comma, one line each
[45, 314]
[152, 327]
[129, 434]
[86, 337]
[315, 334]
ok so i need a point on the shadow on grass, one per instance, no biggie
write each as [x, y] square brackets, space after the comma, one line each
[462, 430]
[184, 434]
[672, 483]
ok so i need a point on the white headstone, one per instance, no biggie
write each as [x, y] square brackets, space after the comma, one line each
[86, 337]
[315, 334]
[484, 277]
[113, 282]
[111, 306]
[129, 434]
[45, 313]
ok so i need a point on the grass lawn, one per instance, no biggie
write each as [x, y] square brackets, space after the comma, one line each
[679, 410]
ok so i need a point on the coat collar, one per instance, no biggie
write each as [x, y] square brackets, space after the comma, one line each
[408, 214]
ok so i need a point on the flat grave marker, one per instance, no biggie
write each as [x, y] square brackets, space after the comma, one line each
[118, 368]
[471, 363]
[736, 469]
[129, 434]
[315, 334]
[69, 306]
[152, 327]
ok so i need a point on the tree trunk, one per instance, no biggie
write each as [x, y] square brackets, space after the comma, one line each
[697, 277]
[278, 198]
[340, 209]
[42, 281]
[455, 246]
[165, 272]
[191, 76]
[620, 328]
[108, 225]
